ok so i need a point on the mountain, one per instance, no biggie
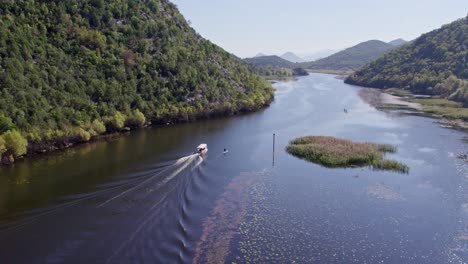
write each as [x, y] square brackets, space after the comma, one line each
[260, 55]
[436, 63]
[289, 56]
[398, 42]
[351, 58]
[70, 70]
[318, 55]
[273, 61]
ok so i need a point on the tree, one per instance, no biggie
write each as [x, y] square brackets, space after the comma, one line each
[5, 124]
[15, 143]
[115, 122]
[2, 146]
[136, 119]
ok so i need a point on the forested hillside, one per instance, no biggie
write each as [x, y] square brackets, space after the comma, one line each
[71, 70]
[435, 63]
[273, 61]
[351, 58]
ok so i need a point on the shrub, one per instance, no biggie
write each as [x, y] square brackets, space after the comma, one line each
[98, 126]
[34, 135]
[5, 124]
[15, 143]
[2, 146]
[81, 135]
[51, 134]
[136, 119]
[115, 122]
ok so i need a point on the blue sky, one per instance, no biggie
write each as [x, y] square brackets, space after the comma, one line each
[247, 27]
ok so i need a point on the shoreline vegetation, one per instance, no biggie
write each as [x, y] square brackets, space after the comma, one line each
[333, 152]
[344, 73]
[450, 114]
[16, 144]
[272, 73]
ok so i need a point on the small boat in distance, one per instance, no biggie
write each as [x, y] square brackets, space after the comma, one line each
[202, 149]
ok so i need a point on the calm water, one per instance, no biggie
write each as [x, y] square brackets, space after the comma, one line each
[144, 198]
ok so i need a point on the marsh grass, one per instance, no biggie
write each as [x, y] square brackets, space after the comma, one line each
[398, 92]
[334, 152]
[443, 107]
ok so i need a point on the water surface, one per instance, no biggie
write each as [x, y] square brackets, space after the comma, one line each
[144, 197]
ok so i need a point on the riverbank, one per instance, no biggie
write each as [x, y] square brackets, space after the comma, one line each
[20, 145]
[449, 114]
[340, 74]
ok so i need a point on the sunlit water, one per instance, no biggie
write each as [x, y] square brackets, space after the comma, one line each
[145, 198]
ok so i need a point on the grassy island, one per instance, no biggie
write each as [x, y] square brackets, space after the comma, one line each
[334, 152]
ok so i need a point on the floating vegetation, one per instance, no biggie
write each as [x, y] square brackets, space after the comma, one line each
[382, 191]
[221, 226]
[334, 152]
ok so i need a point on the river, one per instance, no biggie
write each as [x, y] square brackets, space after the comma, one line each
[145, 198]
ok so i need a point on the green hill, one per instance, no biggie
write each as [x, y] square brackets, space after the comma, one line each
[273, 61]
[398, 42]
[71, 70]
[436, 63]
[351, 58]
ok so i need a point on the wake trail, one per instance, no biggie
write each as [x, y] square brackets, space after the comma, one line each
[76, 199]
[152, 211]
[185, 161]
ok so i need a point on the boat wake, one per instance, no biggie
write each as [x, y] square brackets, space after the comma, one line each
[125, 188]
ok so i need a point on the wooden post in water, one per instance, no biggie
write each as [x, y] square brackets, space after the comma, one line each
[274, 135]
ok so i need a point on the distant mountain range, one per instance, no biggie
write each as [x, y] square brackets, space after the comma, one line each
[398, 42]
[346, 60]
[318, 55]
[289, 56]
[260, 55]
[436, 63]
[352, 58]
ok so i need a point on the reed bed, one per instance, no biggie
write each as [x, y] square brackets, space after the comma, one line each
[334, 152]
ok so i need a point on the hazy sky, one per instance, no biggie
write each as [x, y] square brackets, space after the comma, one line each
[247, 27]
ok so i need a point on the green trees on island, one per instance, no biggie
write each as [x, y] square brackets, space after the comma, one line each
[71, 70]
[436, 63]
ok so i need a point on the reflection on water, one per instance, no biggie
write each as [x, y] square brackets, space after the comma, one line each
[144, 198]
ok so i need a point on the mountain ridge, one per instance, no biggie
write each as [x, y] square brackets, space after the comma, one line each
[436, 63]
[352, 57]
[292, 57]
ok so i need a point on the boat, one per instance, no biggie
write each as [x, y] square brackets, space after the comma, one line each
[202, 149]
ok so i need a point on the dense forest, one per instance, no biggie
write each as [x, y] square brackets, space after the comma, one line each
[274, 67]
[71, 70]
[436, 63]
[271, 73]
[351, 58]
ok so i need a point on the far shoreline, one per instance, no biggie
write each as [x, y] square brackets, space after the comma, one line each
[385, 101]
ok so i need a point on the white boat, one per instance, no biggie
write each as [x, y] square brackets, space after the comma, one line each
[202, 149]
